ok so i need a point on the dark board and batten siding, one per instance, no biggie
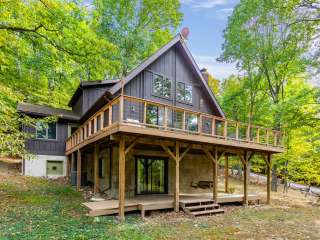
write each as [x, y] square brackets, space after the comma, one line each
[173, 65]
[48, 147]
[87, 98]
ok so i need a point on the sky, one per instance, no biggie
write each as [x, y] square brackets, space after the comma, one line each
[206, 20]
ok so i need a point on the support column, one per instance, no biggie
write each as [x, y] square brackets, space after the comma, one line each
[96, 168]
[246, 173]
[226, 173]
[215, 161]
[177, 157]
[68, 165]
[269, 178]
[215, 176]
[177, 178]
[78, 170]
[122, 162]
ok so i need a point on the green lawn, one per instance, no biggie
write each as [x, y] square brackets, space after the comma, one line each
[39, 209]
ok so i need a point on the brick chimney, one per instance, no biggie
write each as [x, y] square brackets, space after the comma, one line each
[205, 74]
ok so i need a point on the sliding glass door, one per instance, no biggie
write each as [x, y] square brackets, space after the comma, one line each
[151, 175]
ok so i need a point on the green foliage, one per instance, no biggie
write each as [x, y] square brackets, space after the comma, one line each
[47, 47]
[137, 28]
[213, 84]
[270, 42]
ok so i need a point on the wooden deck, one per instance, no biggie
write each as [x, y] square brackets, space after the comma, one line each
[157, 202]
[115, 118]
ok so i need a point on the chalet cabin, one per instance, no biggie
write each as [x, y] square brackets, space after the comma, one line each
[150, 140]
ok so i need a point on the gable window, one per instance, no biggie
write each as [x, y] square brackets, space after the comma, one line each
[161, 86]
[184, 92]
[46, 131]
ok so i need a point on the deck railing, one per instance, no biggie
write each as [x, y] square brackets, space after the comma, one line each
[135, 111]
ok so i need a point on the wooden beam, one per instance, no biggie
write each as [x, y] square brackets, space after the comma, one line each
[269, 164]
[122, 162]
[214, 160]
[96, 168]
[215, 177]
[177, 180]
[106, 166]
[167, 150]
[246, 173]
[209, 155]
[221, 154]
[132, 144]
[110, 116]
[226, 173]
[185, 152]
[78, 170]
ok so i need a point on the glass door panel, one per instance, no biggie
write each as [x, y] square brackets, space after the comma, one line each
[151, 175]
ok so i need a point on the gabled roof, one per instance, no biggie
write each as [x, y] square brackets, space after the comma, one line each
[177, 39]
[87, 84]
[44, 111]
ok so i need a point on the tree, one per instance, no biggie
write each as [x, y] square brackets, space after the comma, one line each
[213, 84]
[268, 40]
[136, 27]
[46, 48]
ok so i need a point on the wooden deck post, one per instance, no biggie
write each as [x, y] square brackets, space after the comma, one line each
[177, 157]
[72, 167]
[78, 170]
[269, 178]
[69, 160]
[122, 162]
[96, 168]
[215, 160]
[177, 180]
[246, 173]
[215, 176]
[226, 174]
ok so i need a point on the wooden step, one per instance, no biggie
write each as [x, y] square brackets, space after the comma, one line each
[207, 212]
[214, 205]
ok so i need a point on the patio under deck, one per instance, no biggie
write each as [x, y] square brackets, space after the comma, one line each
[127, 121]
[156, 202]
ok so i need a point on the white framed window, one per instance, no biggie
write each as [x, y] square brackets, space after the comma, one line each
[46, 131]
[184, 92]
[161, 86]
[54, 168]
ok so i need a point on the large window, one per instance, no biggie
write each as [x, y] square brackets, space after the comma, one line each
[151, 175]
[161, 86]
[46, 131]
[184, 92]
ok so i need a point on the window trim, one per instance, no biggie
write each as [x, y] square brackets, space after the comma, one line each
[163, 78]
[47, 139]
[183, 101]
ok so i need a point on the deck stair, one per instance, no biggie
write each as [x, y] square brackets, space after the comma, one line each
[200, 207]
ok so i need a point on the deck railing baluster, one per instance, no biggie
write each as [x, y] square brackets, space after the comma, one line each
[165, 117]
[213, 130]
[225, 132]
[237, 131]
[200, 124]
[145, 112]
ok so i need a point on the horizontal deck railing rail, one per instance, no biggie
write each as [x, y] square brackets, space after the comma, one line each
[139, 112]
